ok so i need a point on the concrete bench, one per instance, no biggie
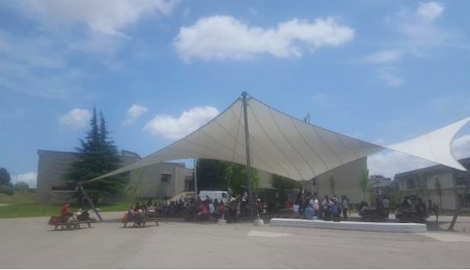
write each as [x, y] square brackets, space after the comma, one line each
[351, 225]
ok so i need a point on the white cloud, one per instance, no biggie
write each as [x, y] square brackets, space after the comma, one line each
[429, 11]
[186, 12]
[76, 118]
[320, 99]
[63, 84]
[389, 163]
[176, 128]
[134, 112]
[386, 56]
[34, 52]
[224, 37]
[253, 11]
[389, 76]
[29, 178]
[106, 17]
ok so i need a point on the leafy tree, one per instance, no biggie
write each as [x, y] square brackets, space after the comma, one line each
[97, 156]
[211, 174]
[364, 183]
[236, 177]
[5, 179]
[438, 188]
[221, 175]
[283, 183]
[21, 187]
[332, 183]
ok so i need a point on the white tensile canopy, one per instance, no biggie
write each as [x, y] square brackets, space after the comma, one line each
[286, 146]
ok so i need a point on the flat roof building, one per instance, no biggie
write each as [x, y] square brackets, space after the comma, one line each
[440, 184]
[160, 180]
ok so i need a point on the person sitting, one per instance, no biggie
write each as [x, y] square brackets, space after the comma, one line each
[131, 213]
[221, 209]
[309, 213]
[137, 207]
[66, 215]
[139, 218]
[362, 207]
[151, 208]
[212, 211]
[421, 208]
[82, 214]
[406, 203]
[204, 213]
[151, 211]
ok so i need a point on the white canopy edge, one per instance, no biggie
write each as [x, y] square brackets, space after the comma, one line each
[286, 146]
[435, 146]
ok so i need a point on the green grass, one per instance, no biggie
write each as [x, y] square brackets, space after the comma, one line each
[24, 205]
[18, 198]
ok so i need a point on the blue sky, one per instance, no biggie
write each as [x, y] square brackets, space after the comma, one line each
[381, 71]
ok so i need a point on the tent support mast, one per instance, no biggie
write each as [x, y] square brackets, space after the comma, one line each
[248, 160]
[90, 202]
[195, 178]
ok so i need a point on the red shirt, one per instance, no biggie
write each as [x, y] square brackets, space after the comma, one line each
[65, 210]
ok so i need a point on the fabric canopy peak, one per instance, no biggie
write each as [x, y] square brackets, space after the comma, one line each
[286, 146]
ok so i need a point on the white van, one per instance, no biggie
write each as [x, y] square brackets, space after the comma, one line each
[214, 194]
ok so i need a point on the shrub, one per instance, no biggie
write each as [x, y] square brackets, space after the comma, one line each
[9, 190]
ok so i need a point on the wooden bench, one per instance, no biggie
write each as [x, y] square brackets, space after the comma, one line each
[147, 218]
[71, 225]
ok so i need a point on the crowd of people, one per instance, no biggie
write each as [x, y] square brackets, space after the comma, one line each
[326, 208]
[237, 208]
[203, 209]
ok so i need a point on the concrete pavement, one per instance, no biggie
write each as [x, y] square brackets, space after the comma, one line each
[30, 242]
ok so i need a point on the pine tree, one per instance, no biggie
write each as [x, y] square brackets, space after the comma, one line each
[97, 155]
[5, 179]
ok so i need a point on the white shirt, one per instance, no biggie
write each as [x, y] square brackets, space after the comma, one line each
[316, 205]
[211, 208]
[296, 208]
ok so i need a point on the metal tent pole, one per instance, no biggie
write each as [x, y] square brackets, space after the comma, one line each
[248, 160]
[90, 201]
[195, 178]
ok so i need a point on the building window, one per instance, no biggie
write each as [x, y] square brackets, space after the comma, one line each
[410, 184]
[188, 184]
[466, 202]
[166, 178]
[460, 180]
[67, 187]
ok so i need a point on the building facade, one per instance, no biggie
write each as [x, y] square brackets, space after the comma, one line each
[342, 181]
[443, 185]
[382, 186]
[161, 180]
[345, 180]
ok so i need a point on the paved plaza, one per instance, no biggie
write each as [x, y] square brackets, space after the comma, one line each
[30, 242]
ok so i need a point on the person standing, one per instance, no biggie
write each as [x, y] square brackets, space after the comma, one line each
[345, 207]
[434, 208]
[386, 205]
